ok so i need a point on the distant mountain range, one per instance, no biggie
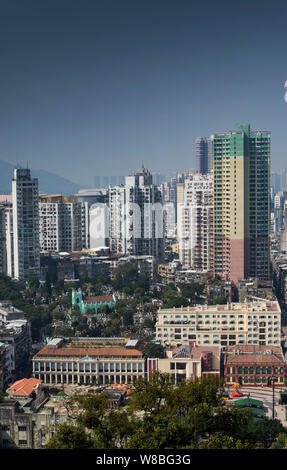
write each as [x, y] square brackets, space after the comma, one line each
[48, 182]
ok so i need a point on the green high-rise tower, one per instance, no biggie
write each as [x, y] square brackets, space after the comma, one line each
[241, 163]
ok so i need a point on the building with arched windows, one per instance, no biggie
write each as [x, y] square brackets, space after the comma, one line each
[254, 365]
[92, 302]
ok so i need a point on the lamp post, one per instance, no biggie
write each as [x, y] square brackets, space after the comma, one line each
[273, 378]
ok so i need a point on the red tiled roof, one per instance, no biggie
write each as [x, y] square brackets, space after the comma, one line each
[255, 358]
[82, 352]
[98, 298]
[254, 348]
[23, 387]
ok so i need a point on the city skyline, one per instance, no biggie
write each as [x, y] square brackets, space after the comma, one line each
[92, 85]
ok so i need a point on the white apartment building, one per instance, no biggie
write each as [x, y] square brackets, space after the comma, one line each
[10, 245]
[3, 255]
[224, 325]
[195, 219]
[26, 247]
[60, 223]
[95, 226]
[136, 217]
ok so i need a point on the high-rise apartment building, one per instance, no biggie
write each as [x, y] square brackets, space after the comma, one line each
[277, 213]
[3, 256]
[10, 244]
[136, 216]
[94, 203]
[203, 155]
[25, 225]
[60, 223]
[195, 221]
[241, 168]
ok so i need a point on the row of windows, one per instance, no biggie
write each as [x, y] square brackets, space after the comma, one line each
[257, 370]
[258, 380]
[6, 427]
[254, 317]
[100, 367]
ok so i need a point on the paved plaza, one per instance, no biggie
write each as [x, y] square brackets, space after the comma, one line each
[265, 395]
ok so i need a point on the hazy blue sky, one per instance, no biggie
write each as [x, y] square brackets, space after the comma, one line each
[92, 87]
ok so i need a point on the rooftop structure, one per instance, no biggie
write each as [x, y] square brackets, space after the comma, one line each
[23, 388]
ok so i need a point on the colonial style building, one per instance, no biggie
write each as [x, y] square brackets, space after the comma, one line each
[254, 365]
[226, 325]
[89, 360]
[92, 302]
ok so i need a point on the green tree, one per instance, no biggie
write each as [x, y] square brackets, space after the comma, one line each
[69, 436]
[154, 350]
[176, 302]
[150, 395]
[164, 416]
[109, 428]
[220, 300]
[266, 431]
[124, 276]
[33, 283]
[219, 441]
[148, 323]
[281, 442]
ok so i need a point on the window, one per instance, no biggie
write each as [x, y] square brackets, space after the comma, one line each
[22, 443]
[22, 428]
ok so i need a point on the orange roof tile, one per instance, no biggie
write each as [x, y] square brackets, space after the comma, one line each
[23, 387]
[82, 352]
[98, 298]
